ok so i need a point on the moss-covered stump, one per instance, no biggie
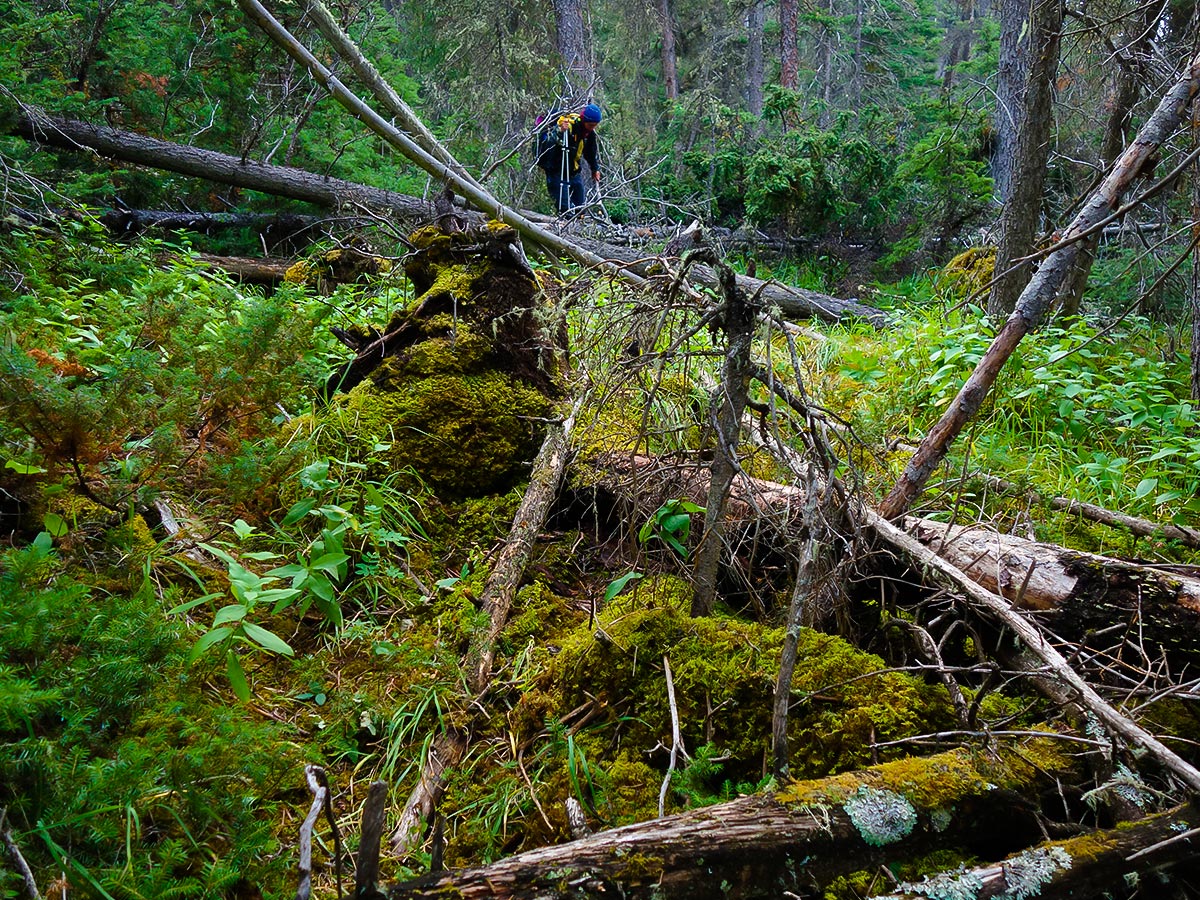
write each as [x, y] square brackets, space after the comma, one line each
[456, 391]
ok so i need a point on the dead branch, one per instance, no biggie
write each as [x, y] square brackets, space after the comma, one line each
[450, 747]
[997, 608]
[14, 853]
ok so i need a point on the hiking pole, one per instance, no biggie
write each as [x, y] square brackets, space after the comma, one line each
[564, 187]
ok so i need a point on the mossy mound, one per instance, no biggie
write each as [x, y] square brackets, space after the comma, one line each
[723, 672]
[968, 272]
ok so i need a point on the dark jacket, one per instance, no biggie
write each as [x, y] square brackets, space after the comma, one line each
[580, 145]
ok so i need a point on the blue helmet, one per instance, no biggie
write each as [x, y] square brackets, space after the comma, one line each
[591, 113]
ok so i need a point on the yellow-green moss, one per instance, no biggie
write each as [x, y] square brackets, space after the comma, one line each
[968, 272]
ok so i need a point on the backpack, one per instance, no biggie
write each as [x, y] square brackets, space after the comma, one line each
[547, 149]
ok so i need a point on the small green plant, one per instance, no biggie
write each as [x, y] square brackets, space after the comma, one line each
[671, 523]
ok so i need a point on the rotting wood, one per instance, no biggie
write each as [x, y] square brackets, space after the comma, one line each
[797, 839]
[366, 868]
[1031, 636]
[1093, 588]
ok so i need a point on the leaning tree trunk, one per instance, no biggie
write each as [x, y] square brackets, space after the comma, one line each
[1041, 291]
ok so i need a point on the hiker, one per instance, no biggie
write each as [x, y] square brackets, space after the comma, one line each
[562, 145]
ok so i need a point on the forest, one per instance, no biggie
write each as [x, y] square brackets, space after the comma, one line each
[811, 510]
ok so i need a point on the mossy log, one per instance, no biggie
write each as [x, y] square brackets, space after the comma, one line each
[796, 839]
[1089, 865]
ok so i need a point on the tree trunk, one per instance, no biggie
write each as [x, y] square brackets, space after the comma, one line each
[729, 403]
[1041, 290]
[754, 58]
[1120, 103]
[763, 846]
[1039, 38]
[570, 34]
[789, 45]
[666, 17]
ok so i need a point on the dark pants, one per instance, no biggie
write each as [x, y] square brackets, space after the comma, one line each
[566, 194]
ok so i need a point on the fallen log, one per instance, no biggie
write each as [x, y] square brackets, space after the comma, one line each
[1076, 592]
[1084, 866]
[36, 125]
[795, 839]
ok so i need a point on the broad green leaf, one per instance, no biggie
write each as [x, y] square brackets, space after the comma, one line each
[24, 468]
[321, 587]
[266, 639]
[55, 524]
[1145, 486]
[191, 604]
[234, 612]
[243, 529]
[618, 584]
[213, 637]
[299, 510]
[330, 562]
[237, 677]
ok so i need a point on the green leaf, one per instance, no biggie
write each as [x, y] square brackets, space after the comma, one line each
[215, 636]
[55, 524]
[289, 571]
[331, 563]
[618, 584]
[261, 555]
[191, 604]
[1145, 486]
[243, 529]
[234, 612]
[24, 468]
[237, 677]
[299, 510]
[266, 639]
[321, 587]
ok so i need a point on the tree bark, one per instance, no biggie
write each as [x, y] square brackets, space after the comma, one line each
[754, 58]
[789, 45]
[1083, 590]
[570, 35]
[1086, 866]
[762, 846]
[1040, 292]
[1021, 215]
[729, 403]
[670, 68]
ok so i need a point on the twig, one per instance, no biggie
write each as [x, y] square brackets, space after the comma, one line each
[1033, 638]
[14, 851]
[676, 740]
[366, 869]
[320, 792]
